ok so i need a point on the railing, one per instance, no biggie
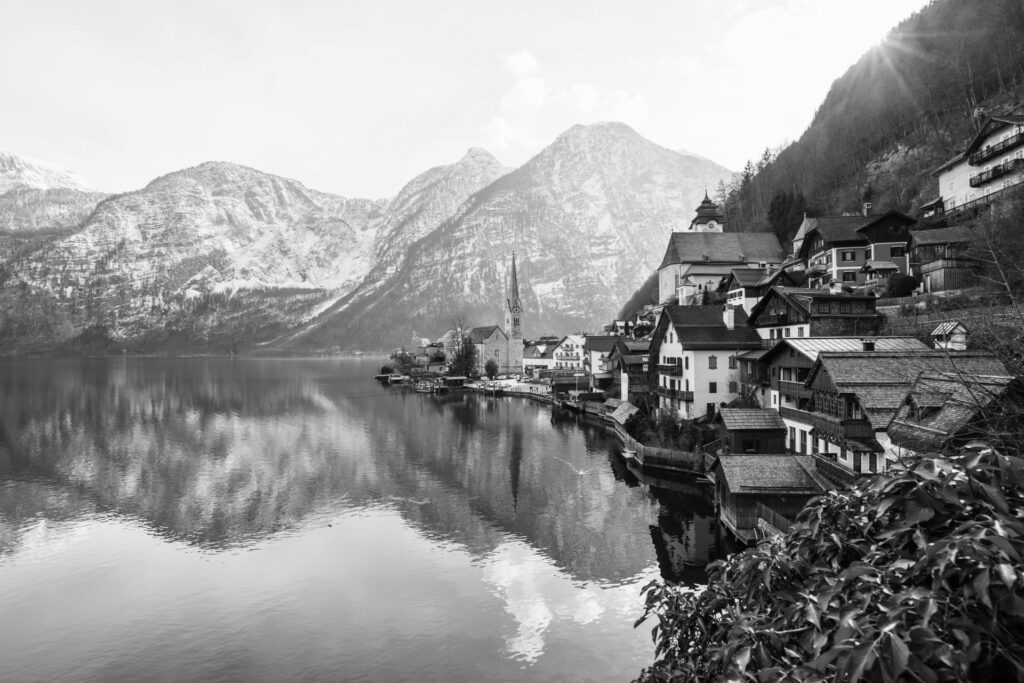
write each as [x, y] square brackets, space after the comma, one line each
[778, 523]
[798, 415]
[753, 378]
[671, 370]
[844, 428]
[777, 319]
[990, 151]
[995, 172]
[675, 393]
[793, 388]
[567, 356]
[834, 471]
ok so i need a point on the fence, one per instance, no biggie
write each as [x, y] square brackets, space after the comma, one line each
[660, 458]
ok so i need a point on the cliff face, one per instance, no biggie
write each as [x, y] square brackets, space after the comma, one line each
[588, 218]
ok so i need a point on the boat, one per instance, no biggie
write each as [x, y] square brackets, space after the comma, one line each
[396, 378]
[424, 387]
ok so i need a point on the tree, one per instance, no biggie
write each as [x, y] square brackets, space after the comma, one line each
[491, 368]
[404, 360]
[914, 575]
[901, 285]
[463, 357]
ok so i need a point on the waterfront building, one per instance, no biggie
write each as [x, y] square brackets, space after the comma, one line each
[694, 350]
[568, 353]
[629, 361]
[596, 350]
[698, 257]
[539, 355]
[992, 162]
[750, 430]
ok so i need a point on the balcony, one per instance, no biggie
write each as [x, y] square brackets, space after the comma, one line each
[777, 319]
[671, 370]
[797, 415]
[567, 356]
[677, 394]
[993, 150]
[996, 172]
[834, 471]
[792, 388]
[753, 378]
[843, 428]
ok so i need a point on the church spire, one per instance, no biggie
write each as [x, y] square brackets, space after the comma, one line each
[513, 290]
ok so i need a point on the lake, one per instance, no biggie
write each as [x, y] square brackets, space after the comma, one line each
[245, 519]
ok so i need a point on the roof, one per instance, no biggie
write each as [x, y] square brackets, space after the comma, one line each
[958, 234]
[948, 327]
[771, 474]
[479, 335]
[878, 217]
[740, 419]
[810, 347]
[722, 247]
[707, 211]
[624, 412]
[801, 298]
[835, 229]
[749, 277]
[702, 327]
[873, 265]
[940, 405]
[600, 343]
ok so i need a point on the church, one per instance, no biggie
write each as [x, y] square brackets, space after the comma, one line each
[699, 256]
[504, 345]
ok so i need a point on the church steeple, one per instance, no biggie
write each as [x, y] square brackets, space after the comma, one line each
[513, 306]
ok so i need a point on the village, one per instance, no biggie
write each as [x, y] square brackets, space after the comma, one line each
[775, 376]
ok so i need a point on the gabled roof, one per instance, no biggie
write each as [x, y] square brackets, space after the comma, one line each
[876, 266]
[834, 230]
[600, 343]
[877, 218]
[958, 234]
[991, 125]
[803, 298]
[479, 335]
[939, 405]
[810, 347]
[741, 419]
[948, 327]
[722, 247]
[771, 474]
[703, 327]
[748, 277]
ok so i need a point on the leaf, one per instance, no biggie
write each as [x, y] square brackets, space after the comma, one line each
[1007, 574]
[917, 513]
[742, 658]
[899, 654]
[980, 584]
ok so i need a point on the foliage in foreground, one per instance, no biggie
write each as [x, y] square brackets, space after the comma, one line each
[912, 576]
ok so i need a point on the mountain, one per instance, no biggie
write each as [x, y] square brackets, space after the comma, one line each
[218, 254]
[904, 107]
[588, 218]
[19, 173]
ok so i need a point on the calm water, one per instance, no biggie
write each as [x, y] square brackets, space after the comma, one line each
[270, 520]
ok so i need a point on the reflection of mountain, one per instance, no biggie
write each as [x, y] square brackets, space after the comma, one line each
[219, 451]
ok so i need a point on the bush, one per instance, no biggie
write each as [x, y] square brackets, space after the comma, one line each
[491, 368]
[901, 285]
[911, 576]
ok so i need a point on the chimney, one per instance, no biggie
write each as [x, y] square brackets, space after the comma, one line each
[866, 209]
[729, 317]
[869, 344]
[835, 287]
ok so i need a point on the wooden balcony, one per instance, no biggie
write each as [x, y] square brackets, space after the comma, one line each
[996, 172]
[797, 415]
[792, 388]
[990, 151]
[677, 394]
[843, 428]
[835, 472]
[671, 370]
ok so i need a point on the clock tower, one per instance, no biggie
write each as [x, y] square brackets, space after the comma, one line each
[514, 323]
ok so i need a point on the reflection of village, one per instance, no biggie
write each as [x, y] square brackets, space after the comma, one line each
[795, 373]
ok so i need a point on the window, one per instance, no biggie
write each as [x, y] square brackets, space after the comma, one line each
[800, 331]
[849, 255]
[849, 277]
[734, 387]
[803, 442]
[712, 362]
[792, 438]
[844, 307]
[732, 362]
[896, 252]
[823, 307]
[687, 385]
[868, 253]
[788, 332]
[686, 362]
[713, 387]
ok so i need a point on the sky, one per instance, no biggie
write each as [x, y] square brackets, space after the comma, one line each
[357, 98]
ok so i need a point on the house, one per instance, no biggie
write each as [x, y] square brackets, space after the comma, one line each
[947, 410]
[698, 258]
[854, 396]
[877, 274]
[745, 286]
[596, 349]
[950, 335]
[786, 312]
[753, 491]
[539, 355]
[629, 363]
[940, 259]
[695, 350]
[568, 353]
[992, 162]
[751, 430]
[832, 249]
[887, 236]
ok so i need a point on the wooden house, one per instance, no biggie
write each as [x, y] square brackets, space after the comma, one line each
[773, 489]
[751, 430]
[788, 312]
[940, 259]
[950, 335]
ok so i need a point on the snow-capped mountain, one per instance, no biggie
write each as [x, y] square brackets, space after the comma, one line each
[19, 173]
[588, 218]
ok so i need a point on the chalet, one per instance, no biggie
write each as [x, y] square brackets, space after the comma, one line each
[697, 258]
[695, 349]
[596, 349]
[950, 335]
[786, 312]
[940, 259]
[568, 353]
[745, 286]
[751, 430]
[887, 236]
[947, 410]
[629, 362]
[854, 396]
[757, 490]
[833, 249]
[992, 162]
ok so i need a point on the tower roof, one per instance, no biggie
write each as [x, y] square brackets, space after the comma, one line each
[707, 211]
[513, 290]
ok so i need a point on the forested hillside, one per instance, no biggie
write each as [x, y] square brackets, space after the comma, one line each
[907, 105]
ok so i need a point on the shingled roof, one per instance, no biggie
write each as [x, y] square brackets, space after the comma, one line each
[834, 230]
[775, 474]
[722, 247]
[702, 327]
[479, 335]
[600, 343]
[958, 234]
[810, 347]
[803, 298]
[742, 419]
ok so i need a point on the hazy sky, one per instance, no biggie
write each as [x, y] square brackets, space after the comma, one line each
[358, 97]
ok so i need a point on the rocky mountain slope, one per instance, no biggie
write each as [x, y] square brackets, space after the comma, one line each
[588, 218]
[19, 173]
